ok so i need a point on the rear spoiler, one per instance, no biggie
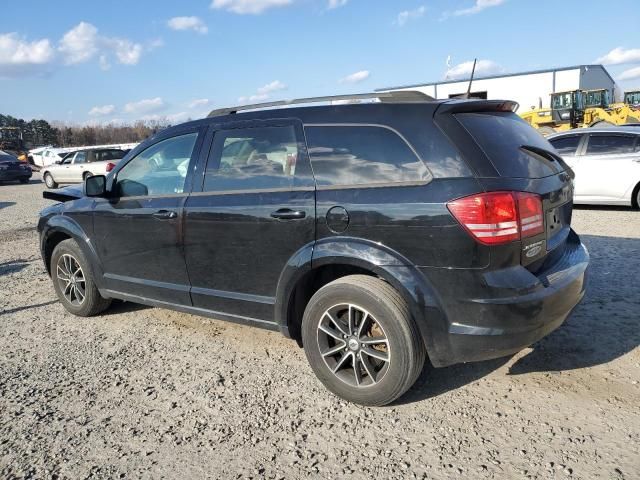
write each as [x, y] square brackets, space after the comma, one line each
[470, 106]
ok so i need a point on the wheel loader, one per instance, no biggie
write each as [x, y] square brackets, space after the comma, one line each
[577, 109]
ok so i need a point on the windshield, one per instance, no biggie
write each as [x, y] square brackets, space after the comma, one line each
[632, 98]
[562, 101]
[598, 98]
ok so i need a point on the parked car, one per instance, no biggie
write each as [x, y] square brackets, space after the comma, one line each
[11, 169]
[374, 234]
[46, 156]
[606, 162]
[75, 167]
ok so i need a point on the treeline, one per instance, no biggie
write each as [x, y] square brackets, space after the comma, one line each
[40, 132]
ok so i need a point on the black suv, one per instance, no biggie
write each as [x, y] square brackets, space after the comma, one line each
[374, 234]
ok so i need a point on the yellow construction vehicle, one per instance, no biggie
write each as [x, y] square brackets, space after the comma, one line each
[577, 109]
[632, 98]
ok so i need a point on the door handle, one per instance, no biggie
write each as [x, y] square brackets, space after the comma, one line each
[164, 214]
[288, 214]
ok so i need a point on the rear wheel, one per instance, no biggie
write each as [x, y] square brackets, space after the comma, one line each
[49, 181]
[361, 341]
[73, 282]
[86, 175]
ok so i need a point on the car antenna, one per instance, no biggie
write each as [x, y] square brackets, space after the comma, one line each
[473, 70]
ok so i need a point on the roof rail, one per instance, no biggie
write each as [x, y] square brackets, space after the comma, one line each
[387, 97]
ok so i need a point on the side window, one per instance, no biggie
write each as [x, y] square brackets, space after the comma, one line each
[81, 157]
[160, 169]
[566, 145]
[610, 144]
[356, 155]
[252, 158]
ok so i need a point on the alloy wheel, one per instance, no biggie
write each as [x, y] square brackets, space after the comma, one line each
[71, 279]
[353, 345]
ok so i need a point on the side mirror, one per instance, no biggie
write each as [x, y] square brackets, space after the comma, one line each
[95, 186]
[58, 162]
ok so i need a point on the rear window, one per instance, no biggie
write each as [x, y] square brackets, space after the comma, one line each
[566, 145]
[501, 135]
[361, 155]
[610, 144]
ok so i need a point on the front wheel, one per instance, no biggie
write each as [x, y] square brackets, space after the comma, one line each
[86, 175]
[361, 341]
[73, 282]
[49, 181]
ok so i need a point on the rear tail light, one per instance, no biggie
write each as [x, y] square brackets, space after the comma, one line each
[110, 166]
[497, 218]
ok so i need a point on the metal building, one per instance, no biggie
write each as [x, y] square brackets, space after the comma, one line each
[529, 89]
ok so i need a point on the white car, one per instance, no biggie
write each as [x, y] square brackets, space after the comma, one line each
[606, 162]
[75, 167]
[45, 156]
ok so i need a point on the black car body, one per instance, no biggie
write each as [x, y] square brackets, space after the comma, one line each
[11, 169]
[384, 190]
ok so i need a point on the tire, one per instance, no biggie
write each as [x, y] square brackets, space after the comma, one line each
[49, 181]
[545, 131]
[77, 292]
[86, 175]
[377, 311]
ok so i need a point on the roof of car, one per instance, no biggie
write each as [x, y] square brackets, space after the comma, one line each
[617, 129]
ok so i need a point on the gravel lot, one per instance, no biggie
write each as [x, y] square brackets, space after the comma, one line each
[144, 392]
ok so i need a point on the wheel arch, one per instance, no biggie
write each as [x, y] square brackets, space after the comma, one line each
[59, 228]
[315, 266]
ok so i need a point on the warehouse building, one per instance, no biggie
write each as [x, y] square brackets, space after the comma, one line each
[529, 89]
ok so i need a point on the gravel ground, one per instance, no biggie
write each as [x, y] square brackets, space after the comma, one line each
[146, 393]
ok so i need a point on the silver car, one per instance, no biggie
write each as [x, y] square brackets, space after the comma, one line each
[606, 162]
[75, 167]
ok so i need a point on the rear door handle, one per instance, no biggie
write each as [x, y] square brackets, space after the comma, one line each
[164, 214]
[288, 214]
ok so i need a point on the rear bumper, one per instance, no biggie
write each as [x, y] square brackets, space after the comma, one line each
[9, 175]
[517, 308]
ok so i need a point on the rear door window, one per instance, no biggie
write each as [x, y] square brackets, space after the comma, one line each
[610, 144]
[362, 155]
[255, 158]
[501, 135]
[566, 145]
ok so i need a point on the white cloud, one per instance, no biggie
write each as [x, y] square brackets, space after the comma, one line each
[406, 15]
[356, 77]
[619, 56]
[200, 102]
[244, 7]
[479, 6]
[127, 52]
[148, 105]
[337, 3]
[83, 42]
[274, 86]
[463, 70]
[631, 74]
[19, 56]
[79, 44]
[263, 93]
[188, 23]
[102, 110]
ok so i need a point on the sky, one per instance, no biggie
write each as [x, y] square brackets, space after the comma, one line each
[86, 62]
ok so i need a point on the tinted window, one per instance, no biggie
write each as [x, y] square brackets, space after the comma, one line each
[500, 135]
[358, 155]
[566, 145]
[610, 144]
[81, 157]
[158, 170]
[252, 158]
